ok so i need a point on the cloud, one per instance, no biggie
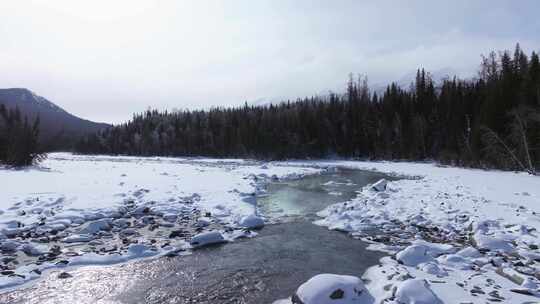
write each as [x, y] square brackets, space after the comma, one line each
[105, 60]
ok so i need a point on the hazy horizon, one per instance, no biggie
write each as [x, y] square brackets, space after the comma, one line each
[104, 61]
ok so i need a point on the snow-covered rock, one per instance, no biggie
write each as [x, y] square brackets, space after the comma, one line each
[203, 221]
[207, 238]
[251, 221]
[380, 185]
[122, 223]
[9, 245]
[485, 226]
[433, 268]
[435, 249]
[10, 232]
[456, 261]
[56, 225]
[31, 250]
[469, 252]
[140, 250]
[78, 238]
[96, 226]
[416, 291]
[332, 289]
[141, 210]
[492, 243]
[413, 255]
[530, 283]
[170, 217]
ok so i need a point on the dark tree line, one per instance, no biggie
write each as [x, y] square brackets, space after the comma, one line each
[18, 138]
[490, 121]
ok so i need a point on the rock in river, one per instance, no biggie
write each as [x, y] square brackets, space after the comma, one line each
[207, 238]
[251, 221]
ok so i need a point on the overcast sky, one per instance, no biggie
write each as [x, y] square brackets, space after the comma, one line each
[105, 59]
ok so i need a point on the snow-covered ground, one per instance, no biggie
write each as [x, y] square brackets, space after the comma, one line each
[77, 209]
[454, 235]
[472, 235]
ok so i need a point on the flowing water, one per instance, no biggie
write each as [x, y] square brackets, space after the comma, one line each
[301, 199]
[259, 270]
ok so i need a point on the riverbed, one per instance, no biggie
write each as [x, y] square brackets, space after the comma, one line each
[288, 251]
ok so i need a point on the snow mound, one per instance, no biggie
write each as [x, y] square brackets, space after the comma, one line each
[416, 291]
[332, 289]
[207, 238]
[251, 221]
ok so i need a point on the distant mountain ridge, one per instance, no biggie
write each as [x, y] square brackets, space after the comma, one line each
[54, 121]
[438, 76]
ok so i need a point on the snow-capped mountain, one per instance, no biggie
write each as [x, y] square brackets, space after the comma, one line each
[53, 119]
[266, 101]
[406, 80]
[263, 101]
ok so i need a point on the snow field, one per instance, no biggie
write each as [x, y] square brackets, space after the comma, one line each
[453, 235]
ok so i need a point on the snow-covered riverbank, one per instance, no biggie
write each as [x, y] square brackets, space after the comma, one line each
[459, 235]
[471, 234]
[78, 210]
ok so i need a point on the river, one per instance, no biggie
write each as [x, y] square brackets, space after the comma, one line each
[287, 252]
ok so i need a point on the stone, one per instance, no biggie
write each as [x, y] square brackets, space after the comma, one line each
[64, 275]
[337, 294]
[177, 233]
[380, 185]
